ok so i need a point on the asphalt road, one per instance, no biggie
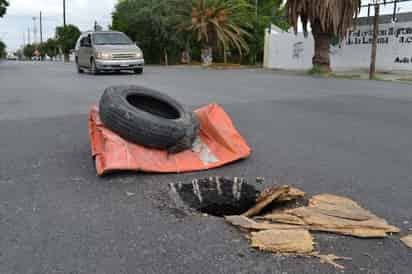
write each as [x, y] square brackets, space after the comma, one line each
[346, 137]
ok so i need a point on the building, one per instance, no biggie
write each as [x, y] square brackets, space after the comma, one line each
[285, 50]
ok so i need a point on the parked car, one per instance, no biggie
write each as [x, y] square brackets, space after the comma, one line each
[12, 57]
[98, 51]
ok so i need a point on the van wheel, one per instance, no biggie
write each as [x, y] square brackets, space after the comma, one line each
[138, 71]
[79, 69]
[93, 68]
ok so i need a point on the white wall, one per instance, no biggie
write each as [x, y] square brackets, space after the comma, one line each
[289, 51]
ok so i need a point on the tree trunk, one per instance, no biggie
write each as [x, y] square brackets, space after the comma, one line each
[66, 58]
[166, 57]
[207, 47]
[372, 70]
[321, 59]
[207, 55]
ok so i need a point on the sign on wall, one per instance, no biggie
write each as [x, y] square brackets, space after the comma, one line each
[290, 51]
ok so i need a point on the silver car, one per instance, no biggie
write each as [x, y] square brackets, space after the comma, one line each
[107, 51]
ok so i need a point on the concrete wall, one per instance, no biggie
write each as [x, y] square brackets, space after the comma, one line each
[289, 51]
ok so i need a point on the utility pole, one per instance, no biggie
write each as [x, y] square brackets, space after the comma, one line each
[255, 57]
[41, 28]
[64, 13]
[372, 70]
[34, 30]
[28, 36]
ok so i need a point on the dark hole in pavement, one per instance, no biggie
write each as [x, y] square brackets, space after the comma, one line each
[215, 196]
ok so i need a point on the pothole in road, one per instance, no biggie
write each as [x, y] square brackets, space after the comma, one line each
[215, 196]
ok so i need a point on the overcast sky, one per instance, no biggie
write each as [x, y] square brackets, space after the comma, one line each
[79, 12]
[82, 13]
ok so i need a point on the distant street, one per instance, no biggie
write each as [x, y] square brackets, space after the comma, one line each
[347, 137]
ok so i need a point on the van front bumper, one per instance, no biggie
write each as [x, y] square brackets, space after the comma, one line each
[119, 64]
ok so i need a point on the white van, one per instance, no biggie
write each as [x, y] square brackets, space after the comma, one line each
[107, 51]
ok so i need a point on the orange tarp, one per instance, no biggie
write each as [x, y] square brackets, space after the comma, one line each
[219, 143]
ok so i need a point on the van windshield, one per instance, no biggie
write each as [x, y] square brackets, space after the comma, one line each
[111, 39]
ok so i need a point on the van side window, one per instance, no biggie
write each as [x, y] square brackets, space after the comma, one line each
[85, 42]
[89, 40]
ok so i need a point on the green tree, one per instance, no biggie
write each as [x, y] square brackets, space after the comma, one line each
[67, 37]
[327, 18]
[3, 7]
[19, 54]
[3, 52]
[150, 24]
[41, 49]
[165, 28]
[216, 24]
[28, 50]
[51, 48]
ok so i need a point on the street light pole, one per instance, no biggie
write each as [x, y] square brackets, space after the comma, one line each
[257, 7]
[256, 30]
[28, 35]
[34, 30]
[41, 28]
[64, 13]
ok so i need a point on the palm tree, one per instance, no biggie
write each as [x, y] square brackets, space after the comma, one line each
[3, 52]
[3, 7]
[327, 18]
[219, 23]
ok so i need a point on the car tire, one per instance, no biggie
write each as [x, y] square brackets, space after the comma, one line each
[138, 71]
[79, 69]
[148, 118]
[93, 68]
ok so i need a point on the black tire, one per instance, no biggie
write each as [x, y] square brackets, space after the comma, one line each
[93, 68]
[79, 69]
[138, 71]
[148, 117]
[189, 138]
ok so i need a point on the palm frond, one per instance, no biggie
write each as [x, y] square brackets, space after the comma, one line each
[219, 22]
[333, 16]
